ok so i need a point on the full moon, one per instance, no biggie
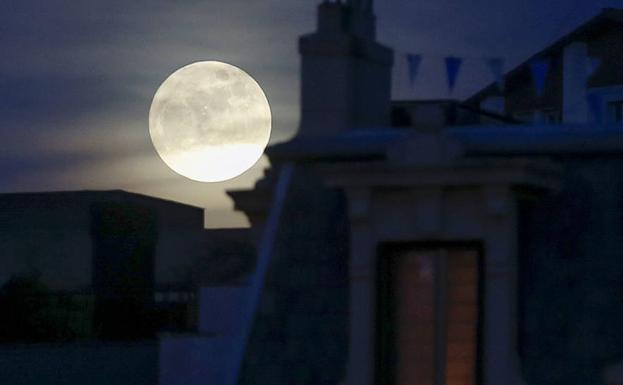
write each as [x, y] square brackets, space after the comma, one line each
[210, 121]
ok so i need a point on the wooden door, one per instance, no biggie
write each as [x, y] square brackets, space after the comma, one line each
[428, 316]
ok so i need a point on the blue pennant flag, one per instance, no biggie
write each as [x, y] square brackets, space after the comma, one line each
[496, 65]
[595, 105]
[453, 65]
[593, 64]
[539, 69]
[413, 61]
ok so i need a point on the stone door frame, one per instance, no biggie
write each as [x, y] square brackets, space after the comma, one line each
[446, 202]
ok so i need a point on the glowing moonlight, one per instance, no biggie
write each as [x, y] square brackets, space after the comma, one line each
[210, 121]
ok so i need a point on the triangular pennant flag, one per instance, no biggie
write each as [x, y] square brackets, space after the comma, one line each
[594, 104]
[496, 65]
[592, 65]
[539, 69]
[453, 65]
[413, 61]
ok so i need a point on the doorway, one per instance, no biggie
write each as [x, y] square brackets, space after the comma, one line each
[429, 314]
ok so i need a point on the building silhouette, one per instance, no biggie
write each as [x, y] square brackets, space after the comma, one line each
[126, 265]
[465, 249]
[585, 62]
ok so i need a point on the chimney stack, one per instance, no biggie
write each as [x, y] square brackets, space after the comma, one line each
[345, 74]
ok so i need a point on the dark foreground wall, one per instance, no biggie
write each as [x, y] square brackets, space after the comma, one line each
[78, 364]
[571, 263]
[300, 334]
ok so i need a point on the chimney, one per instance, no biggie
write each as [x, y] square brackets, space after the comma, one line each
[345, 74]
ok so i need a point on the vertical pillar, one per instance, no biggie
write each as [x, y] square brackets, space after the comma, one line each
[501, 363]
[362, 277]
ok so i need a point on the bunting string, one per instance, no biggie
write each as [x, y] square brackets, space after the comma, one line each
[452, 65]
[539, 70]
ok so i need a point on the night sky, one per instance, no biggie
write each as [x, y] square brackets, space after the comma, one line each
[77, 77]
